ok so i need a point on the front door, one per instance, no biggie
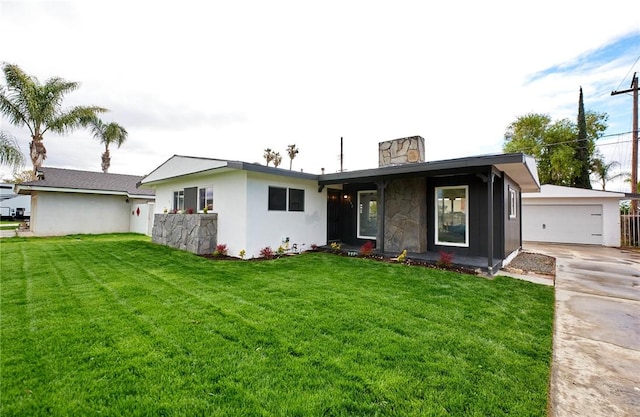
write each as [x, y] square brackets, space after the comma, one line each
[333, 215]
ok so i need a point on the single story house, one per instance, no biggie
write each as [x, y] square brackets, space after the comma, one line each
[65, 201]
[470, 207]
[560, 214]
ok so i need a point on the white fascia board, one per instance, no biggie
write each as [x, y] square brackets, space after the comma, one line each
[27, 189]
[524, 173]
[558, 191]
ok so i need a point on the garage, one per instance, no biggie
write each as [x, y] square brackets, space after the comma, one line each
[563, 223]
[559, 214]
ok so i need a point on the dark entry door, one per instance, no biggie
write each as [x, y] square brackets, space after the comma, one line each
[333, 215]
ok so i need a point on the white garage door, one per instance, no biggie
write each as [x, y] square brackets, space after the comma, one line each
[562, 224]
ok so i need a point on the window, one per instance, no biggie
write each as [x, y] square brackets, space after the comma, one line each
[367, 214]
[205, 198]
[277, 199]
[513, 200]
[178, 200]
[452, 216]
[296, 200]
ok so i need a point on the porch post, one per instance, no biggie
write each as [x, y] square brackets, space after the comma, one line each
[380, 234]
[490, 221]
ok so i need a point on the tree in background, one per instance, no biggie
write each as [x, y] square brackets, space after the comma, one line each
[23, 176]
[552, 144]
[24, 101]
[277, 159]
[292, 151]
[10, 153]
[107, 134]
[268, 155]
[581, 153]
[603, 172]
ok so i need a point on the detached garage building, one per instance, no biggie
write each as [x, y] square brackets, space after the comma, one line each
[65, 201]
[572, 215]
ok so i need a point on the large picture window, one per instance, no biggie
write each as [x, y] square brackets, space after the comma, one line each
[205, 198]
[178, 200]
[367, 214]
[452, 216]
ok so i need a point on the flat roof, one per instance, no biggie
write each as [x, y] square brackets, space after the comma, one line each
[520, 167]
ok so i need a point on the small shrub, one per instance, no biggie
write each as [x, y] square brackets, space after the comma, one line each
[266, 252]
[402, 257]
[367, 248]
[242, 254]
[281, 250]
[314, 246]
[446, 259]
[189, 211]
[205, 210]
[335, 246]
[221, 250]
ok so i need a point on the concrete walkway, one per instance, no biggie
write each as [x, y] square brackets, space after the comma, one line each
[596, 342]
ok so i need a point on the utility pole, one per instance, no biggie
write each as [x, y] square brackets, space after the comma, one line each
[634, 139]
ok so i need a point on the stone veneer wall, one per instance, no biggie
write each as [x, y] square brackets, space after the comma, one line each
[405, 223]
[196, 233]
[401, 151]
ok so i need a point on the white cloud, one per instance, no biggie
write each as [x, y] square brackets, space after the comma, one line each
[228, 79]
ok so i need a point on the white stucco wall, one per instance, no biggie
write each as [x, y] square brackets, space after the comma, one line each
[56, 213]
[141, 220]
[268, 228]
[244, 222]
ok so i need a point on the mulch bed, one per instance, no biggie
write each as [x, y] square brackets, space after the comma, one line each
[532, 263]
[375, 257]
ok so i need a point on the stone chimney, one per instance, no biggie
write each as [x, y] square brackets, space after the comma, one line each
[401, 151]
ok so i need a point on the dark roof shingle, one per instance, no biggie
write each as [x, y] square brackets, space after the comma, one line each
[88, 180]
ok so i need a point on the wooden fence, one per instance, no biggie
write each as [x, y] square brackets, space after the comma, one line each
[630, 230]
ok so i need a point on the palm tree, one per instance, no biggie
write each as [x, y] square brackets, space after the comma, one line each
[24, 101]
[603, 170]
[10, 153]
[107, 134]
[277, 159]
[292, 151]
[268, 155]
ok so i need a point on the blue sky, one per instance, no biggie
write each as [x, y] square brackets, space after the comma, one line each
[228, 79]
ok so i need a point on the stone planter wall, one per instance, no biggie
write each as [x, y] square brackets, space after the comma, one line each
[196, 233]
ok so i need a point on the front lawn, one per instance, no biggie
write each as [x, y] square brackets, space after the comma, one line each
[115, 325]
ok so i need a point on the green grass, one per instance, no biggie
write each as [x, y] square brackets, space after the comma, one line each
[115, 325]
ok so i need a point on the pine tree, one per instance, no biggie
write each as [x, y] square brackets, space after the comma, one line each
[582, 153]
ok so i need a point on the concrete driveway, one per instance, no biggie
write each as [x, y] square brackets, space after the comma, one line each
[596, 342]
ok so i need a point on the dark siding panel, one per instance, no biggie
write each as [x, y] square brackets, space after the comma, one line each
[477, 214]
[191, 198]
[512, 229]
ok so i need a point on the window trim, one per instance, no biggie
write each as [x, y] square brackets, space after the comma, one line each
[200, 205]
[358, 234]
[176, 200]
[284, 204]
[437, 241]
[513, 204]
[289, 198]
